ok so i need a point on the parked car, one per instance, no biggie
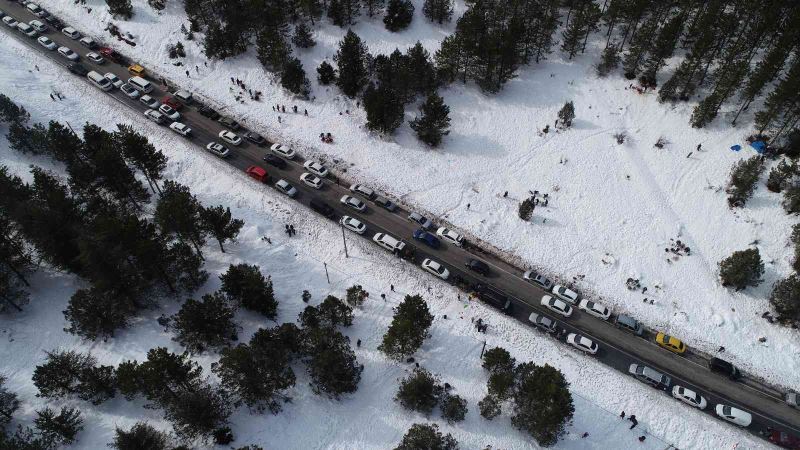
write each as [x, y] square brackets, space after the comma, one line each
[316, 168]
[148, 101]
[793, 400]
[427, 238]
[54, 22]
[257, 173]
[155, 116]
[784, 439]
[184, 96]
[228, 136]
[322, 208]
[537, 279]
[353, 224]
[113, 55]
[543, 322]
[628, 323]
[173, 102]
[114, 80]
[88, 42]
[95, 58]
[565, 294]
[353, 202]
[286, 188]
[130, 91]
[388, 242]
[39, 26]
[71, 33]
[274, 161]
[435, 268]
[420, 219]
[363, 191]
[385, 203]
[556, 305]
[180, 128]
[494, 298]
[670, 343]
[33, 8]
[27, 30]
[582, 343]
[67, 53]
[594, 309]
[218, 149]
[209, 112]
[689, 397]
[255, 138]
[450, 236]
[283, 151]
[650, 376]
[10, 21]
[478, 266]
[170, 112]
[78, 69]
[47, 43]
[311, 180]
[137, 70]
[734, 415]
[724, 367]
[229, 123]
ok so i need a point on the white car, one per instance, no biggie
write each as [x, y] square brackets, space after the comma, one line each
[556, 305]
[36, 10]
[282, 150]
[38, 25]
[148, 101]
[71, 33]
[689, 396]
[67, 53]
[27, 30]
[450, 236]
[353, 224]
[180, 128]
[218, 149]
[362, 190]
[10, 21]
[47, 43]
[316, 168]
[435, 268]
[734, 415]
[95, 58]
[594, 309]
[129, 90]
[582, 343]
[228, 136]
[86, 41]
[565, 294]
[169, 112]
[286, 188]
[114, 80]
[154, 115]
[353, 202]
[311, 180]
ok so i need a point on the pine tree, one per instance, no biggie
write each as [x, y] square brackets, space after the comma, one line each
[384, 108]
[161, 377]
[399, 14]
[497, 359]
[120, 8]
[567, 114]
[201, 413]
[218, 222]
[663, 47]
[439, 11]
[331, 313]
[577, 30]
[393, 73]
[326, 74]
[8, 404]
[780, 175]
[785, 298]
[608, 61]
[25, 439]
[141, 436]
[245, 285]
[273, 50]
[421, 71]
[427, 437]
[744, 177]
[71, 373]
[791, 199]
[419, 392]
[641, 44]
[92, 313]
[408, 329]
[434, 122]
[373, 6]
[356, 295]
[742, 269]
[343, 13]
[782, 102]
[489, 407]
[204, 324]
[453, 407]
[542, 403]
[293, 78]
[62, 427]
[10, 112]
[525, 210]
[178, 213]
[302, 36]
[351, 60]
[139, 153]
[331, 362]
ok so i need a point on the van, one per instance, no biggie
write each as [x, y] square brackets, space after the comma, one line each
[136, 70]
[322, 208]
[628, 323]
[26, 29]
[725, 368]
[102, 83]
[650, 376]
[390, 243]
[141, 85]
[495, 298]
[184, 96]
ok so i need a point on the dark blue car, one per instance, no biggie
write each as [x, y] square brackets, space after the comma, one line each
[427, 238]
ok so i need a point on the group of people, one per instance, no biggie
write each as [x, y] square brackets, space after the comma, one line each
[481, 326]
[282, 109]
[634, 422]
[290, 230]
[326, 138]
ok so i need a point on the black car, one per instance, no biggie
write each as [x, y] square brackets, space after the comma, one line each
[322, 208]
[385, 203]
[208, 112]
[275, 161]
[255, 138]
[229, 123]
[54, 22]
[479, 266]
[495, 298]
[725, 368]
[78, 69]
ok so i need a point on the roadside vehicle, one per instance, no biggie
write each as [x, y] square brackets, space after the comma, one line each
[450, 236]
[793, 400]
[112, 55]
[208, 112]
[565, 294]
[322, 208]
[218, 149]
[495, 298]
[47, 43]
[543, 322]
[353, 202]
[537, 279]
[228, 122]
[286, 188]
[180, 128]
[435, 268]
[353, 224]
[67, 53]
[155, 116]
[424, 222]
[99, 81]
[2, 14]
[594, 309]
[129, 91]
[71, 33]
[184, 96]
[10, 21]
[582, 343]
[33, 8]
[227, 136]
[784, 439]
[255, 138]
[256, 173]
[114, 80]
[54, 22]
[650, 376]
[78, 69]
[136, 70]
[630, 324]
[556, 305]
[274, 161]
[148, 101]
[311, 180]
[476, 265]
[95, 58]
[141, 85]
[390, 243]
[283, 151]
[39, 26]
[725, 368]
[316, 168]
[385, 203]
[670, 343]
[689, 397]
[26, 29]
[170, 113]
[734, 415]
[88, 42]
[172, 102]
[363, 191]
[427, 238]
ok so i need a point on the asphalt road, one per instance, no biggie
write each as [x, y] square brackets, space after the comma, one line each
[618, 349]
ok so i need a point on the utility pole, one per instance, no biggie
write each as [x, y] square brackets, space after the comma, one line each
[326, 272]
[484, 348]
[344, 241]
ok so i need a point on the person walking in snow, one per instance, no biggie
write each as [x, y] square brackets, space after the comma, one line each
[633, 420]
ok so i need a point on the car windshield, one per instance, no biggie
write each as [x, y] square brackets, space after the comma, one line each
[696, 398]
[726, 410]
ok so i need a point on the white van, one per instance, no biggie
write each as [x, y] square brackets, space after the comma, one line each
[102, 83]
[141, 85]
[184, 96]
[389, 243]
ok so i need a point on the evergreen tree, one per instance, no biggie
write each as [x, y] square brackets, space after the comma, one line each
[141, 436]
[178, 213]
[245, 285]
[408, 329]
[331, 313]
[373, 6]
[8, 404]
[344, 13]
[185, 267]
[453, 407]
[218, 223]
[399, 14]
[10, 112]
[302, 36]
[24, 439]
[791, 199]
[273, 50]
[393, 73]
[139, 153]
[608, 61]
[421, 71]
[525, 210]
[489, 407]
[356, 295]
[204, 324]
[438, 10]
[71, 373]
[28, 140]
[16, 262]
[384, 108]
[62, 427]
[567, 114]
[542, 403]
[427, 437]
[434, 122]
[161, 377]
[663, 47]
[331, 362]
[497, 359]
[791, 146]
[351, 60]
[200, 413]
[326, 74]
[419, 392]
[92, 313]
[785, 298]
[293, 78]
[744, 176]
[578, 29]
[780, 175]
[120, 8]
[781, 105]
[742, 269]
[223, 42]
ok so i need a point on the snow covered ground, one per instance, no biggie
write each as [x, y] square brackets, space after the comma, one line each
[369, 419]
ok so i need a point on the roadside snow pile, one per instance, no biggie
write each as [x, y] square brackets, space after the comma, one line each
[368, 419]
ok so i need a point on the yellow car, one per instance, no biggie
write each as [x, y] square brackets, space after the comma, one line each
[136, 70]
[670, 343]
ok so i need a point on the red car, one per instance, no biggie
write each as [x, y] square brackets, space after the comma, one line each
[258, 173]
[784, 439]
[172, 102]
[112, 55]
